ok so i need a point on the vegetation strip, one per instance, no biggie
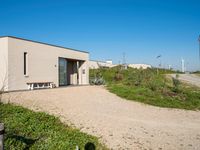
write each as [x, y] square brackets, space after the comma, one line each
[149, 86]
[25, 129]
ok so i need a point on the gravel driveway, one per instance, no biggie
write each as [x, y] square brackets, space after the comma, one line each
[120, 124]
[189, 78]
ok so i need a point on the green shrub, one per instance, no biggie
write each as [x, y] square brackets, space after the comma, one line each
[176, 85]
[118, 77]
[96, 77]
[153, 85]
[97, 81]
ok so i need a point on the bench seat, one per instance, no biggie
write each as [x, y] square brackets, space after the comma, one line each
[39, 85]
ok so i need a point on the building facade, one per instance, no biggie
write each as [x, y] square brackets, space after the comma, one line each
[24, 61]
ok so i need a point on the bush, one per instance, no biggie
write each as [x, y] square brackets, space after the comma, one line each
[176, 84]
[153, 85]
[97, 81]
[96, 77]
[118, 77]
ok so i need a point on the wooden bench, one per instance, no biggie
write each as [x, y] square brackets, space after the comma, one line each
[39, 85]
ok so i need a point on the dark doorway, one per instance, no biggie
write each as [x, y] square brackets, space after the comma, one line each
[68, 72]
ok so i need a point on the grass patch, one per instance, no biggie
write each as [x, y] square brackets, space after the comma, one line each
[26, 129]
[150, 87]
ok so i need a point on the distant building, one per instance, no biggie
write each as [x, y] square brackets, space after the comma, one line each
[109, 62]
[139, 66]
[93, 64]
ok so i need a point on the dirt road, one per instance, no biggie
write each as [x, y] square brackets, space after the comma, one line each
[120, 124]
[189, 78]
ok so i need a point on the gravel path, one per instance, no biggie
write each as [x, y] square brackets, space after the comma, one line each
[189, 78]
[120, 124]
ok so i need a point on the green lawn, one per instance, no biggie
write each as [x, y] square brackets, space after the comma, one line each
[26, 129]
[149, 87]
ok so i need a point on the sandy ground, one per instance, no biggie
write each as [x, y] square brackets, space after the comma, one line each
[189, 78]
[120, 124]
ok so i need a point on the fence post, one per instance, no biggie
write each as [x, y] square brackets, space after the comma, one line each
[1, 135]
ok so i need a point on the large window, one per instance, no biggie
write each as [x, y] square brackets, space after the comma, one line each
[25, 64]
[62, 71]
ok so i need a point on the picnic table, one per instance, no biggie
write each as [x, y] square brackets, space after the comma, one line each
[40, 85]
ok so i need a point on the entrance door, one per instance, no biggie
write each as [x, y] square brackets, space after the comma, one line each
[62, 71]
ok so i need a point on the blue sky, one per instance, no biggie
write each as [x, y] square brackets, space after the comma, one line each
[142, 29]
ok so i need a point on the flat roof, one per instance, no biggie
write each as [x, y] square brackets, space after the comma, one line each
[44, 43]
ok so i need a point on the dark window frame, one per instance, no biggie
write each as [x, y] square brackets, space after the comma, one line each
[25, 63]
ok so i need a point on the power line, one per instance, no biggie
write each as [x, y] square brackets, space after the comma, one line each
[124, 58]
[124, 61]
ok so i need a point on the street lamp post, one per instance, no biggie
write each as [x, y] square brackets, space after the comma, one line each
[159, 65]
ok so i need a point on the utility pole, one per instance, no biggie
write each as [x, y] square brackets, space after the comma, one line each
[124, 60]
[169, 67]
[159, 65]
[183, 65]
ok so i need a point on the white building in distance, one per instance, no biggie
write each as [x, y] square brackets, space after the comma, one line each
[108, 64]
[93, 64]
[139, 66]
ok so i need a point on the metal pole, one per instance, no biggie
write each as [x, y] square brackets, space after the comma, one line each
[1, 135]
[159, 65]
[183, 65]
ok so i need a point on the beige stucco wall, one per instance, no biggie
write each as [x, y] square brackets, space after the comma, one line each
[4, 64]
[42, 63]
[84, 78]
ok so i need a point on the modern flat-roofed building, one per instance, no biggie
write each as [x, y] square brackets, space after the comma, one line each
[23, 62]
